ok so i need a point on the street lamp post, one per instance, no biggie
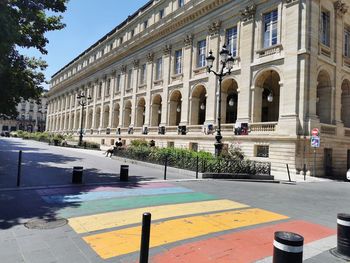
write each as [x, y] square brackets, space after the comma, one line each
[83, 101]
[226, 61]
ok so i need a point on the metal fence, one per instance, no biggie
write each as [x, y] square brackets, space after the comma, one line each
[197, 163]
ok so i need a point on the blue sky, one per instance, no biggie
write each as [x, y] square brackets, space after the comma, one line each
[86, 22]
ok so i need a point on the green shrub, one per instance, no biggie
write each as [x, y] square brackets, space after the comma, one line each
[92, 145]
[137, 143]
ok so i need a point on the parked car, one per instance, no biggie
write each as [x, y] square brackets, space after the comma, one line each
[348, 175]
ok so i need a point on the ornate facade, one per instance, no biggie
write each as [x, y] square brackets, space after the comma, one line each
[31, 117]
[291, 74]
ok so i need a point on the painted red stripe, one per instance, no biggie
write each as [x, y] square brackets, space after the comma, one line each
[240, 247]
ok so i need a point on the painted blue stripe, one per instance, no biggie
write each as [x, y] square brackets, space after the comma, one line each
[106, 195]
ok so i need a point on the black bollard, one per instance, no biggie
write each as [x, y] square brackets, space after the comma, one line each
[145, 237]
[77, 177]
[343, 229]
[124, 173]
[287, 247]
[165, 166]
[19, 169]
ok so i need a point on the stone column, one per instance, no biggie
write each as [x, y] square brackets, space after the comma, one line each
[75, 102]
[339, 50]
[257, 103]
[246, 105]
[48, 124]
[149, 81]
[136, 64]
[187, 73]
[112, 94]
[288, 119]
[311, 72]
[95, 88]
[167, 67]
[213, 84]
[122, 94]
[104, 80]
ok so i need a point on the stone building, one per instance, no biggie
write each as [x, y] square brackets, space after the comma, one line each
[291, 74]
[31, 117]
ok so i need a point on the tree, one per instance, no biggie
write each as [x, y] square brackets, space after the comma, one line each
[24, 24]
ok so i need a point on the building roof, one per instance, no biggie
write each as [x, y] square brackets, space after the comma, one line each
[118, 27]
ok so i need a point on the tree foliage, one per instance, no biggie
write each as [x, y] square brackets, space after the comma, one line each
[24, 24]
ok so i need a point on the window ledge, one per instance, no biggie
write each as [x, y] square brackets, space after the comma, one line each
[270, 50]
[177, 76]
[142, 86]
[200, 70]
[346, 61]
[324, 50]
[158, 82]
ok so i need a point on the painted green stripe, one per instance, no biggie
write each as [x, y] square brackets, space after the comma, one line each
[116, 204]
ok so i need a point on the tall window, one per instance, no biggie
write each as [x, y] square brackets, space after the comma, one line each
[201, 53]
[325, 28]
[145, 24]
[178, 61]
[181, 3]
[347, 42]
[108, 89]
[270, 28]
[159, 68]
[132, 32]
[161, 13]
[143, 74]
[118, 83]
[100, 90]
[231, 41]
[129, 79]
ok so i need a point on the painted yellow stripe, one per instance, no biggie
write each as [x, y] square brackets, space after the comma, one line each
[127, 217]
[124, 241]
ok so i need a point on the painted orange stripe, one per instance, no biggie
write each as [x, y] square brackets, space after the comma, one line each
[240, 247]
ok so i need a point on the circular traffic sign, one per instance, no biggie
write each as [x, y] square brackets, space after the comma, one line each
[315, 132]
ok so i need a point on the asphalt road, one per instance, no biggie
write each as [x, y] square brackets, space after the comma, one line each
[46, 166]
[43, 164]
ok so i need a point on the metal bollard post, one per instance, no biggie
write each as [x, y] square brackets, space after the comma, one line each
[124, 173]
[19, 169]
[288, 172]
[77, 177]
[145, 237]
[287, 247]
[343, 234]
[165, 166]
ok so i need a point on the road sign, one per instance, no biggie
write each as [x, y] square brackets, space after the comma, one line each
[315, 141]
[315, 132]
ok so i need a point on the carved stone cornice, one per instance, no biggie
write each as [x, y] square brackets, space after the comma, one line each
[340, 7]
[136, 63]
[145, 39]
[188, 40]
[248, 13]
[167, 50]
[150, 57]
[214, 28]
[123, 69]
[291, 1]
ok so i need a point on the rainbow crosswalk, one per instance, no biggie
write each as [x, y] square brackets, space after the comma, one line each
[109, 219]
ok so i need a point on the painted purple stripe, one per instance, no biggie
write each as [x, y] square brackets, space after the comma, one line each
[114, 188]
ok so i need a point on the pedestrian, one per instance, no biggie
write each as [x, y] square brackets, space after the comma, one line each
[119, 143]
[110, 152]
